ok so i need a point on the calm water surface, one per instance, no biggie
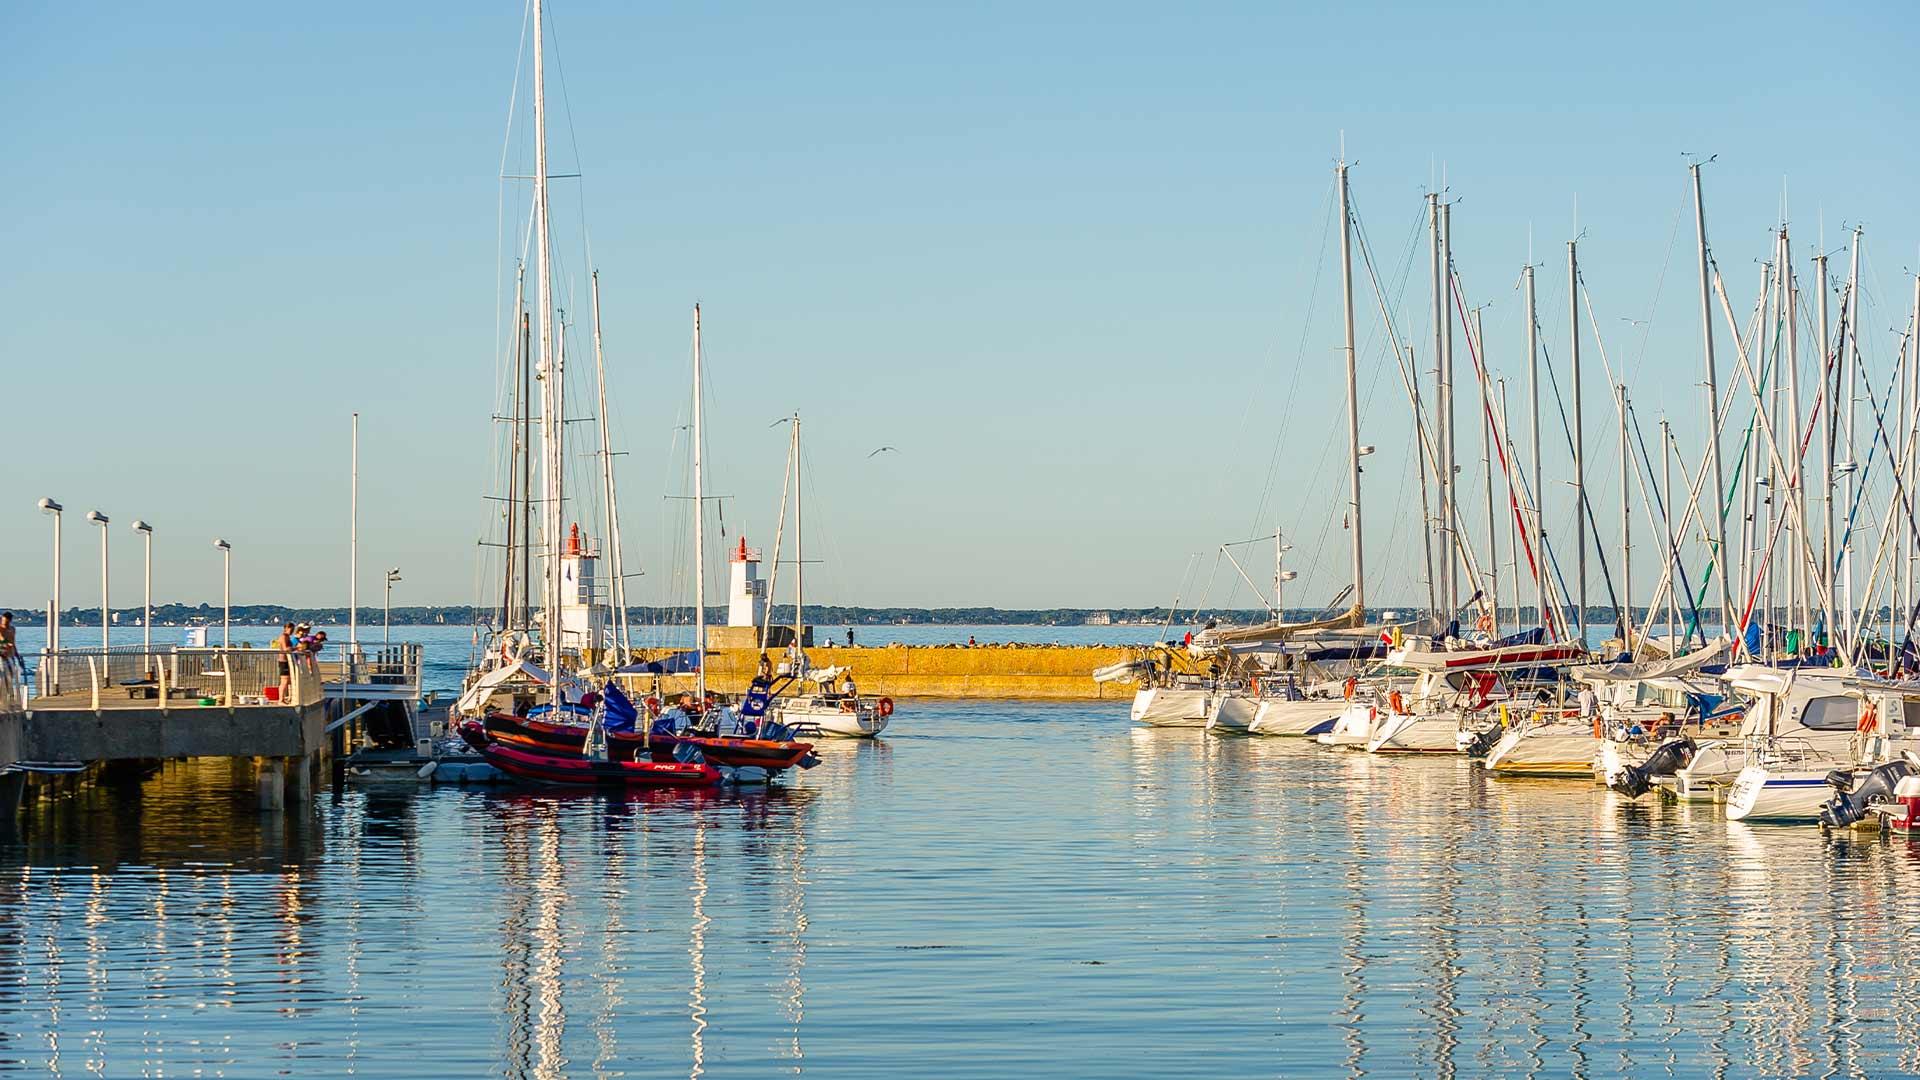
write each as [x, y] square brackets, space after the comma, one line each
[996, 889]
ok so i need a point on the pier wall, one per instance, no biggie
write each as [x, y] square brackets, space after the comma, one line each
[982, 671]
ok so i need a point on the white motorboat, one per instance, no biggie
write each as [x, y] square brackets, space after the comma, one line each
[834, 715]
[1800, 718]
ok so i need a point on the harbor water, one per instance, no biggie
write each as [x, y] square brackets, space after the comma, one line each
[995, 889]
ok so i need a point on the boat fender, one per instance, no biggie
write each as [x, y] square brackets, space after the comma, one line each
[426, 771]
[885, 706]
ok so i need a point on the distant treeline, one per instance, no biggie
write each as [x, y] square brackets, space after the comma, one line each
[817, 615]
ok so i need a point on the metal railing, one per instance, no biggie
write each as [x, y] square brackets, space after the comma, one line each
[233, 677]
[389, 670]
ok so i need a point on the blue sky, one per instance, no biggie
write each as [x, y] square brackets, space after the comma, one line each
[1063, 256]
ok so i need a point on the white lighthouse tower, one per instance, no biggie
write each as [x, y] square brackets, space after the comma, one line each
[747, 595]
[583, 619]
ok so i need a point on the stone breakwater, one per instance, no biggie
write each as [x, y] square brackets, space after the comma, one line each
[947, 671]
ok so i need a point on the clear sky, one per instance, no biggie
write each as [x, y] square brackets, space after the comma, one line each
[1073, 260]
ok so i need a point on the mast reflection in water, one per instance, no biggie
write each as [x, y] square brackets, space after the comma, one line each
[993, 890]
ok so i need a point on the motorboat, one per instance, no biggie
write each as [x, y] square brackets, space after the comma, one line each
[574, 769]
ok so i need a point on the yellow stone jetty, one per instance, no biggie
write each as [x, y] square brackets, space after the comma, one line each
[953, 671]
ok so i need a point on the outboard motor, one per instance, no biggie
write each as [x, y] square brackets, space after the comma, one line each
[1478, 744]
[1667, 758]
[1853, 799]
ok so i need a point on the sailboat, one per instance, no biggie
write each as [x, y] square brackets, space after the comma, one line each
[552, 655]
[1280, 706]
[825, 705]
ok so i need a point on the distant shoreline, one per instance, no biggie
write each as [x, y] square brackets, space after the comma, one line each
[177, 615]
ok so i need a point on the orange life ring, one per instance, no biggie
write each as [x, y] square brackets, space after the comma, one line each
[885, 706]
[1484, 623]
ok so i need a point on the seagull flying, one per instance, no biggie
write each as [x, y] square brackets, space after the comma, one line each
[884, 449]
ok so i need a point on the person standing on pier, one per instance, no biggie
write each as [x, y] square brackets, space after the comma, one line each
[9, 642]
[284, 645]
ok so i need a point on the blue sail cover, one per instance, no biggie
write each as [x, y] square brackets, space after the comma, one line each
[621, 715]
[682, 663]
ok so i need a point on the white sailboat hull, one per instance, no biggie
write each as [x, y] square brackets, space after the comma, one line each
[1231, 713]
[1352, 729]
[1545, 750]
[1296, 719]
[1170, 706]
[1416, 733]
[1761, 793]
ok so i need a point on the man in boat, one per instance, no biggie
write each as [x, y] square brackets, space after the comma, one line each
[847, 689]
[765, 671]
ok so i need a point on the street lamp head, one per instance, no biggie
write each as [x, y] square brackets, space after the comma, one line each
[141, 526]
[96, 517]
[50, 506]
[223, 545]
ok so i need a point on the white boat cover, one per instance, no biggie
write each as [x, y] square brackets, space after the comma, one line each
[1654, 669]
[1125, 669]
[476, 695]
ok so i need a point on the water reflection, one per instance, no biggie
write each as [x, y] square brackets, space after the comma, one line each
[1001, 890]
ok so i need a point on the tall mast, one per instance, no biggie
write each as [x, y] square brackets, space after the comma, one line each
[1827, 435]
[526, 472]
[1908, 420]
[1671, 558]
[618, 594]
[1279, 575]
[1625, 609]
[1487, 436]
[552, 421]
[515, 449]
[1443, 530]
[1717, 522]
[1579, 440]
[799, 539]
[1353, 405]
[1850, 369]
[1426, 534]
[1505, 435]
[1539, 524]
[699, 522]
[353, 545]
[1448, 430]
[1798, 604]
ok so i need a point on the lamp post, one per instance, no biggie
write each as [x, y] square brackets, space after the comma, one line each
[146, 612]
[100, 519]
[226, 590]
[53, 608]
[386, 613]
